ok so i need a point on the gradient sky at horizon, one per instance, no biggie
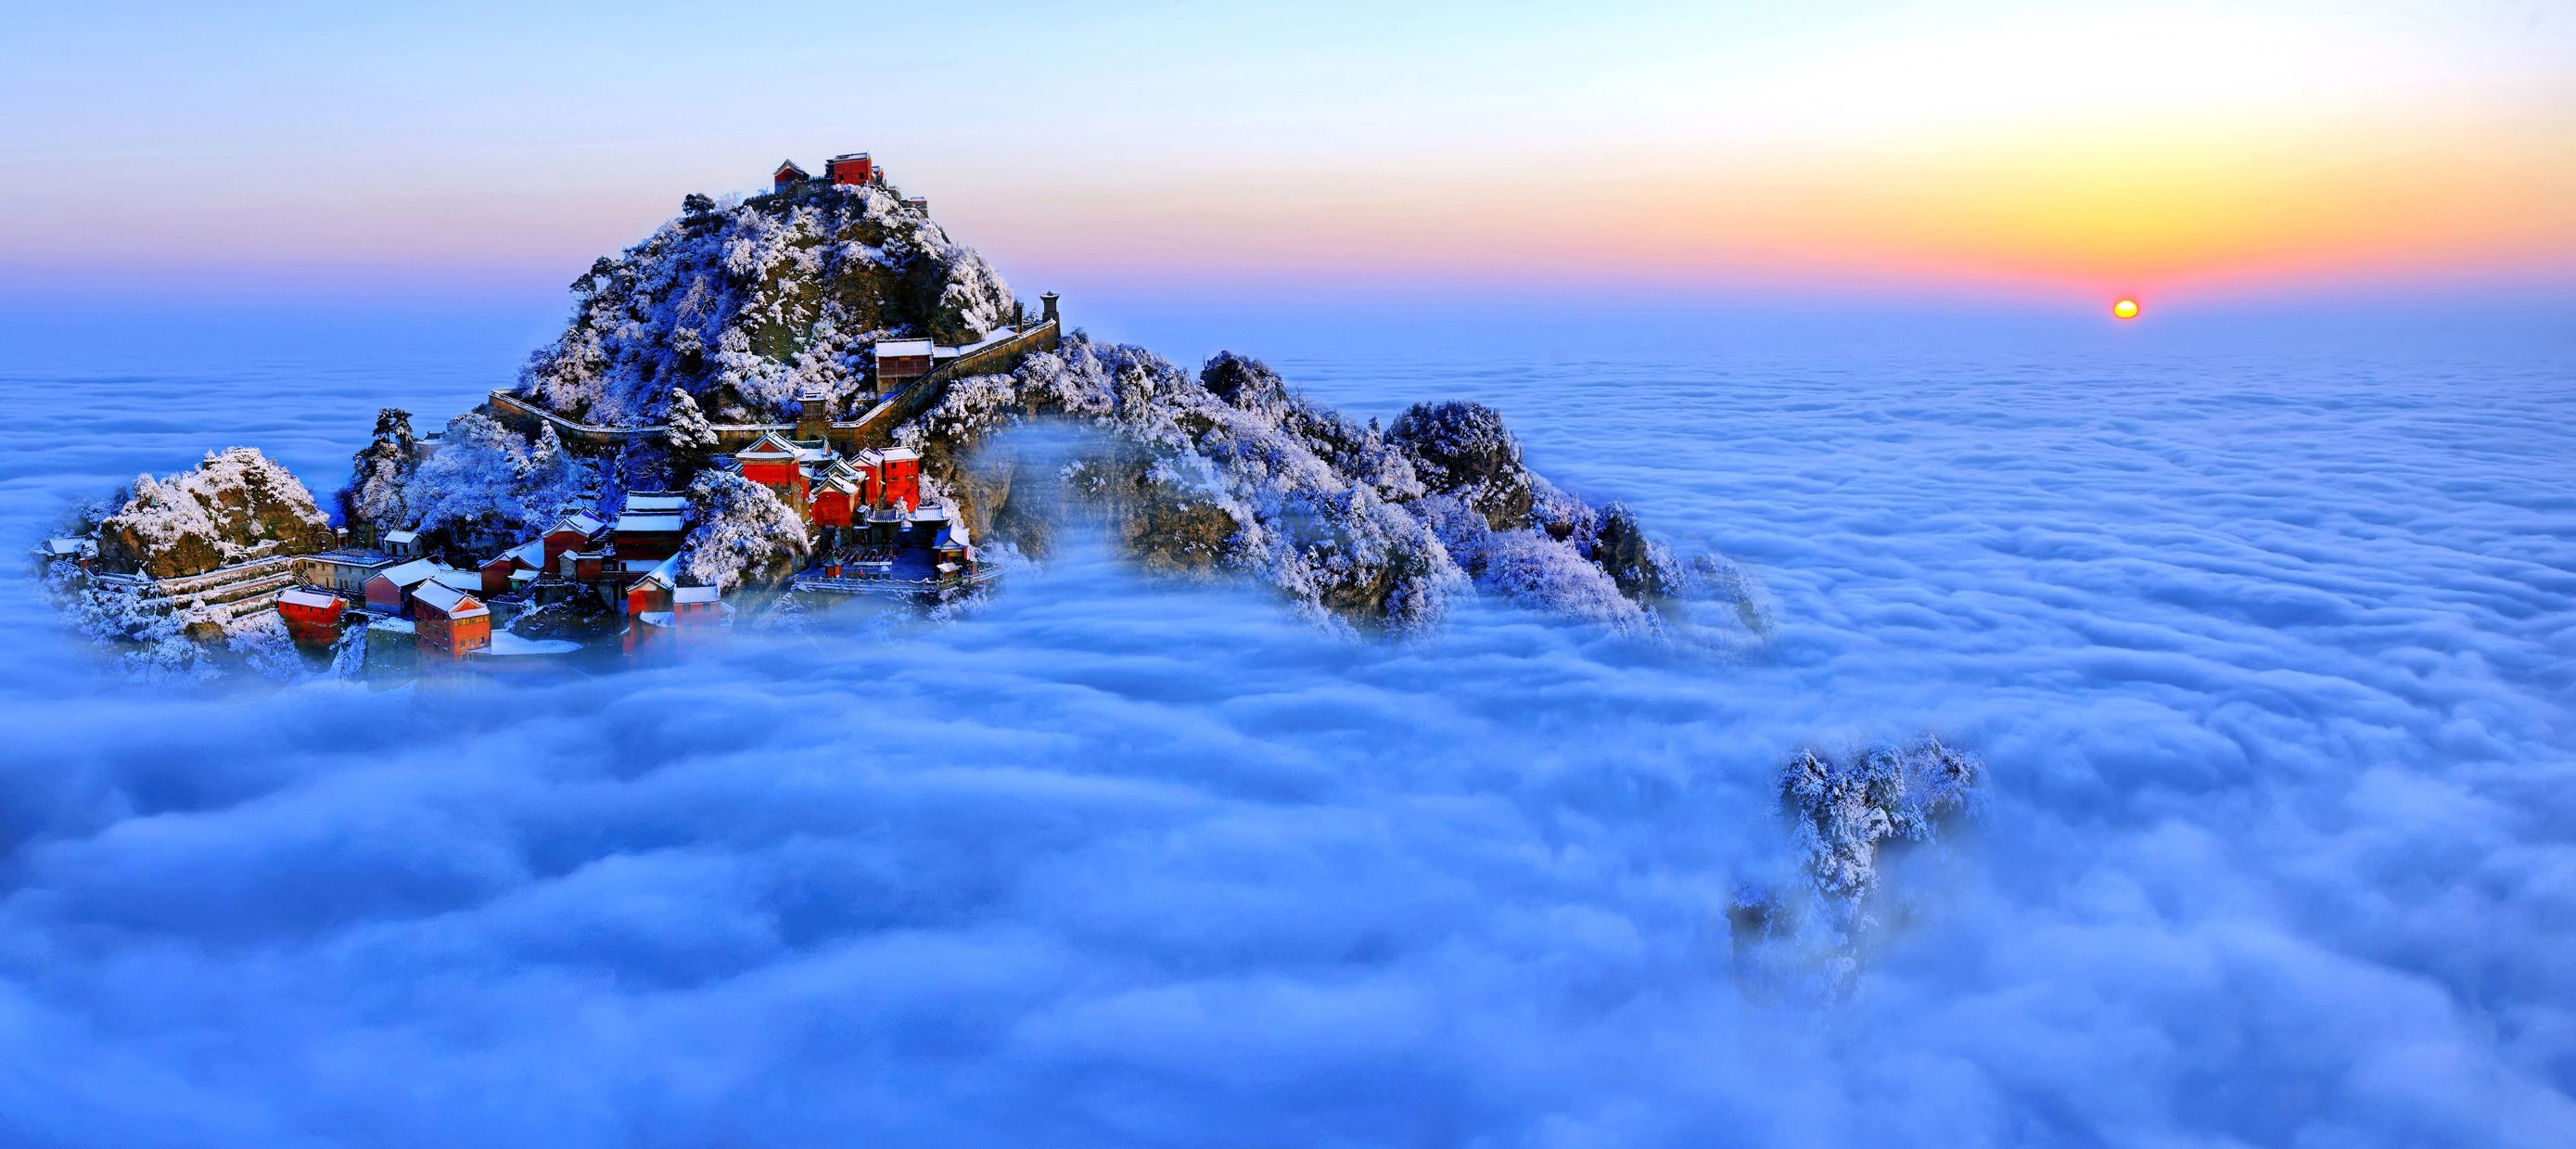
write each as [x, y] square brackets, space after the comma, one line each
[1978, 150]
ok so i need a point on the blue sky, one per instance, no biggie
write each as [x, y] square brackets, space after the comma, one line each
[1964, 151]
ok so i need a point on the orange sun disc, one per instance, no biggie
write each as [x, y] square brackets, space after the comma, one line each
[2125, 309]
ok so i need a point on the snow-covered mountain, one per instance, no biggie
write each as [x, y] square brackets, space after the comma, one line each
[737, 311]
[744, 306]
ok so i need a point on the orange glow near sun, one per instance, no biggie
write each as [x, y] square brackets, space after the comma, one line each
[2125, 309]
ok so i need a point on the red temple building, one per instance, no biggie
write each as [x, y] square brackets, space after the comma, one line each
[853, 168]
[391, 591]
[900, 361]
[450, 621]
[312, 614]
[647, 530]
[570, 533]
[527, 559]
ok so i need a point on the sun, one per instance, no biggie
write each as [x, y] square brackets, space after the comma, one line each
[2125, 309]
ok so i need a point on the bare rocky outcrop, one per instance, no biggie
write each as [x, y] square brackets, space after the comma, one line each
[235, 506]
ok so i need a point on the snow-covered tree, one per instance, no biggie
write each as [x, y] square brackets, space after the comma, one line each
[487, 485]
[1844, 811]
[147, 635]
[1801, 934]
[553, 480]
[691, 440]
[741, 530]
[382, 468]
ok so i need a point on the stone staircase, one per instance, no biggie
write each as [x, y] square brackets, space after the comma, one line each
[226, 593]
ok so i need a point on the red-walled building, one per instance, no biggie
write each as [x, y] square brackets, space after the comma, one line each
[570, 533]
[900, 361]
[392, 590]
[852, 168]
[652, 592]
[311, 613]
[526, 558]
[650, 534]
[836, 494]
[779, 464]
[770, 462]
[898, 479]
[450, 621]
[787, 176]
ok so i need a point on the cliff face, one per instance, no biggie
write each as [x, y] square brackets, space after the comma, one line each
[744, 307]
[236, 505]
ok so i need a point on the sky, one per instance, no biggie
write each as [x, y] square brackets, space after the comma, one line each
[2065, 154]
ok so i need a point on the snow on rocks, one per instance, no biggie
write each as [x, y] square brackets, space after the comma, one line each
[748, 308]
[1849, 817]
[235, 506]
[1231, 470]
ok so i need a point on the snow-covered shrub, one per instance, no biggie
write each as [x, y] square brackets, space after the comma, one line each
[147, 636]
[742, 529]
[1464, 449]
[1848, 816]
[260, 644]
[1535, 570]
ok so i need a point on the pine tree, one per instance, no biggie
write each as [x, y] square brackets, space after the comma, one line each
[551, 481]
[691, 440]
[374, 500]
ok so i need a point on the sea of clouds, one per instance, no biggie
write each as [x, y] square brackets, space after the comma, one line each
[2272, 662]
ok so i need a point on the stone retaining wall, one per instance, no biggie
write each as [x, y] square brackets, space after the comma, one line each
[873, 429]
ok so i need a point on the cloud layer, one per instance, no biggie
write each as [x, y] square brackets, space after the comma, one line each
[2268, 660]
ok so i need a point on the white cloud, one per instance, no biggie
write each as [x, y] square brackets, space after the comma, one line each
[2266, 659]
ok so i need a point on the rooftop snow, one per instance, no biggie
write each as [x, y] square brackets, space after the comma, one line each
[415, 571]
[508, 645]
[352, 558]
[449, 601]
[652, 524]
